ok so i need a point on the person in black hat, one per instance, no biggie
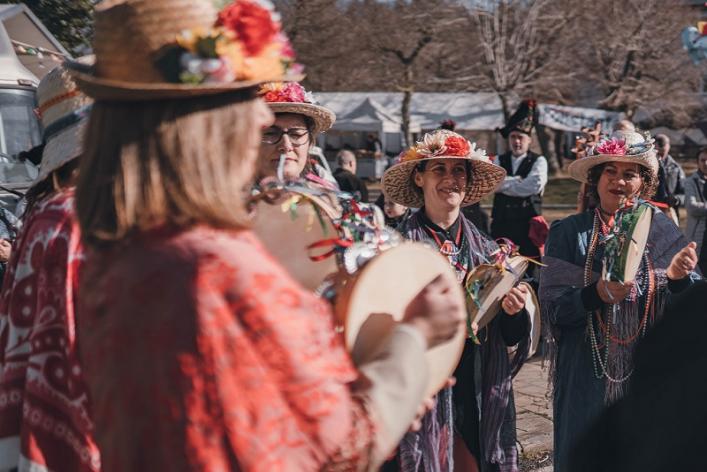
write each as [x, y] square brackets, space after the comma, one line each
[519, 198]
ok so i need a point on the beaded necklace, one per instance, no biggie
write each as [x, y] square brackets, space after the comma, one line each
[600, 362]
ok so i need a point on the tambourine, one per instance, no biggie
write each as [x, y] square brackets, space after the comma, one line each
[532, 306]
[290, 222]
[370, 302]
[626, 244]
[487, 284]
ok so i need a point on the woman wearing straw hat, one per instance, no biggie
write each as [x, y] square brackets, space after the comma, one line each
[595, 324]
[298, 121]
[440, 175]
[45, 423]
[199, 351]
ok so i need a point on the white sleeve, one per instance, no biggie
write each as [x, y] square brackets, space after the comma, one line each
[394, 387]
[533, 184]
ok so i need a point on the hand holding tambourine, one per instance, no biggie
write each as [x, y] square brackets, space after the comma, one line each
[514, 301]
[683, 262]
[435, 313]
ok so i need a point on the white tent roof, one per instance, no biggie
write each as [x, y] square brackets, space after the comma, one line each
[370, 115]
[471, 111]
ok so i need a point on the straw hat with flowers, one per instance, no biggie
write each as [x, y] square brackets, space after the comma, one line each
[623, 146]
[398, 181]
[291, 97]
[157, 49]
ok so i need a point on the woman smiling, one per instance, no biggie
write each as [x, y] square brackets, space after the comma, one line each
[472, 426]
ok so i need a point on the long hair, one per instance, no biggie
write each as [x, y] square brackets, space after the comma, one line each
[165, 163]
[56, 181]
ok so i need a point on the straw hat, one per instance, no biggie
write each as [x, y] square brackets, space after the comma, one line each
[623, 146]
[442, 144]
[158, 49]
[64, 112]
[291, 97]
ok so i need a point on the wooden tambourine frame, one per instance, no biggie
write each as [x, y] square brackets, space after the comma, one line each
[372, 301]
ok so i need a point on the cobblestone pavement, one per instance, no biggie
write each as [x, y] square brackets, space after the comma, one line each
[534, 417]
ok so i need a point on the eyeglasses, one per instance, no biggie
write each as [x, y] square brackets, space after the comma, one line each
[273, 135]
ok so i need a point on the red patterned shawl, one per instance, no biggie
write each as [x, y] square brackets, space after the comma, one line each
[44, 420]
[202, 354]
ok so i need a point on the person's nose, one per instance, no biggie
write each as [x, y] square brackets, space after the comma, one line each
[285, 143]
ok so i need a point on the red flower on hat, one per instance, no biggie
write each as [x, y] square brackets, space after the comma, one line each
[457, 146]
[252, 24]
[290, 92]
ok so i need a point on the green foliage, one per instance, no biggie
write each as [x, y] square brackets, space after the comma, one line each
[70, 21]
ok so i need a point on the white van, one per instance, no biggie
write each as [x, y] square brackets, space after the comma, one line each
[19, 124]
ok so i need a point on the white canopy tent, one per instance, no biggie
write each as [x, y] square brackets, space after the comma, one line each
[372, 117]
[369, 116]
[471, 111]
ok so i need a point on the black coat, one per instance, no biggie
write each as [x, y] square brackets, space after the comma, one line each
[348, 182]
[660, 424]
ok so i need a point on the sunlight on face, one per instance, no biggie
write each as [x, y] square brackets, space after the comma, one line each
[443, 183]
[293, 143]
[618, 182]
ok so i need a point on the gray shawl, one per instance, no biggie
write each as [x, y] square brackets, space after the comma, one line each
[434, 441]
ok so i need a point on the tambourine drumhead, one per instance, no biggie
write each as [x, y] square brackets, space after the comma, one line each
[370, 304]
[286, 235]
[636, 247]
[493, 286]
[532, 306]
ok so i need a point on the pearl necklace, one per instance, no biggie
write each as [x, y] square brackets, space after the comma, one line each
[599, 362]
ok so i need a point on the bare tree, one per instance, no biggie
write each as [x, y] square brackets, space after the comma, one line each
[402, 39]
[632, 53]
[322, 35]
[517, 49]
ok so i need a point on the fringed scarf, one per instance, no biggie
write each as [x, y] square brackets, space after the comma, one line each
[613, 330]
[430, 449]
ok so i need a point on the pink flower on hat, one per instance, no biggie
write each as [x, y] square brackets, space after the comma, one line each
[279, 92]
[613, 146]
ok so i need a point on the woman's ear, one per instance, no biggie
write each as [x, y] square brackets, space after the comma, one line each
[417, 178]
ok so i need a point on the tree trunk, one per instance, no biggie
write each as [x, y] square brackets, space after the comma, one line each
[504, 106]
[546, 138]
[405, 109]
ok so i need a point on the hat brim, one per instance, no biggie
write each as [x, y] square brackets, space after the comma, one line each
[118, 90]
[63, 147]
[579, 169]
[323, 117]
[399, 186]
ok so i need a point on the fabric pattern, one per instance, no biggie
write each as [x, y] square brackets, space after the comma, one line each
[202, 354]
[44, 406]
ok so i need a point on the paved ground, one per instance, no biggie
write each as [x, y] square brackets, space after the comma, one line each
[534, 417]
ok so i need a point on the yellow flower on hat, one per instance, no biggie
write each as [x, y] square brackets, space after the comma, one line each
[268, 63]
[410, 154]
[233, 52]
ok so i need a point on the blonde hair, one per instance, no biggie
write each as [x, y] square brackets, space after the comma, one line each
[171, 162]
